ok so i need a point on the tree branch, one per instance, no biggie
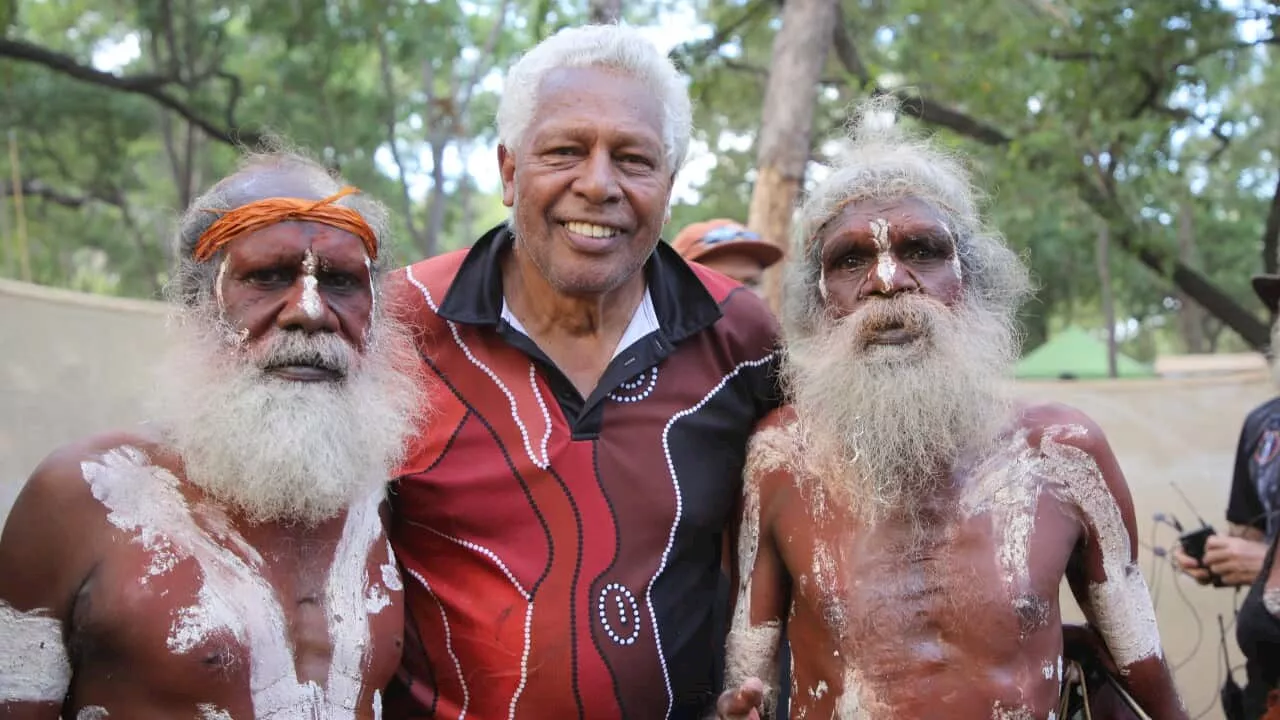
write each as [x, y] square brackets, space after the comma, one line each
[917, 106]
[35, 188]
[151, 86]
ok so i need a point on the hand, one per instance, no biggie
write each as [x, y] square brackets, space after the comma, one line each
[1190, 565]
[1236, 560]
[745, 703]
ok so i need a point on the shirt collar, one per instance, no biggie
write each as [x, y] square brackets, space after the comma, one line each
[681, 303]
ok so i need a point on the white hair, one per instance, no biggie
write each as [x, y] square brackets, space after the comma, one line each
[884, 161]
[613, 47]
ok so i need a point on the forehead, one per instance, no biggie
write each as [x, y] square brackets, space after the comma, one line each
[591, 99]
[288, 242]
[904, 212]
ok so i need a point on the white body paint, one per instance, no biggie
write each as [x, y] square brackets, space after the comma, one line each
[310, 302]
[33, 658]
[1120, 606]
[234, 598]
[212, 712]
[92, 712]
[886, 266]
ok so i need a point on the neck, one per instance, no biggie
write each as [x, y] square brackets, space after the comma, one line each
[545, 311]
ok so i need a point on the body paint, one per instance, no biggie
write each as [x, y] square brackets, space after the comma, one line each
[234, 597]
[1119, 606]
[92, 712]
[33, 658]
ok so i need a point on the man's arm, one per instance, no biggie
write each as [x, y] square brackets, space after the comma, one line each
[40, 558]
[1104, 573]
[751, 659]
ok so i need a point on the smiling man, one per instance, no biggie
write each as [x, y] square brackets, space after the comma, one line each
[230, 559]
[561, 522]
[904, 520]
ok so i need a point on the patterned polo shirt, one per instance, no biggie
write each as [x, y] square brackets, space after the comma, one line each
[562, 553]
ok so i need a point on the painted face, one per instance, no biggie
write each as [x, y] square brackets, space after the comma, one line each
[297, 276]
[880, 248]
[590, 184]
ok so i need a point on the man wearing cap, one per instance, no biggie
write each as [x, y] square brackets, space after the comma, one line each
[230, 559]
[730, 248]
[1253, 509]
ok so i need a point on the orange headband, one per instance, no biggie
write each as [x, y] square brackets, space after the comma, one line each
[257, 215]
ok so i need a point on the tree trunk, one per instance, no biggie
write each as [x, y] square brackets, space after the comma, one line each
[1271, 235]
[20, 247]
[799, 55]
[1190, 314]
[1108, 299]
[435, 206]
[605, 11]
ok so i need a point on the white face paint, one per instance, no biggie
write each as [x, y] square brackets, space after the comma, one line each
[33, 659]
[217, 284]
[235, 598]
[955, 253]
[886, 267]
[310, 302]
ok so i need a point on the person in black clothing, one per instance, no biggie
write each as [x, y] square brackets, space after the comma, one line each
[1255, 496]
[1235, 559]
[1258, 633]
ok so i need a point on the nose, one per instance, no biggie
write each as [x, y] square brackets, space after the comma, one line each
[887, 277]
[598, 178]
[306, 309]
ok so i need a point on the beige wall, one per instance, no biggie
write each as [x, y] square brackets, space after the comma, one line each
[70, 364]
[73, 364]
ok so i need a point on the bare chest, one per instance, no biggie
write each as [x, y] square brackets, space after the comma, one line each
[984, 575]
[246, 624]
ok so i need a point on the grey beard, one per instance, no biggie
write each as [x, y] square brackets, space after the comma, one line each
[883, 427]
[283, 451]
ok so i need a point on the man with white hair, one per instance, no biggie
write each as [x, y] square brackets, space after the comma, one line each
[230, 559]
[561, 521]
[904, 520]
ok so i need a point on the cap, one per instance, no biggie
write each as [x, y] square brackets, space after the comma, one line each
[701, 241]
[1268, 288]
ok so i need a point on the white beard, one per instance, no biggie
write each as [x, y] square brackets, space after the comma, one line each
[284, 451]
[884, 426]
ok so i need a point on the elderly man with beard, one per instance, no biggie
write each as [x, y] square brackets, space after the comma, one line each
[230, 559]
[904, 520]
[561, 521]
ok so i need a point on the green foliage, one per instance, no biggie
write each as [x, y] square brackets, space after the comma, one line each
[1149, 116]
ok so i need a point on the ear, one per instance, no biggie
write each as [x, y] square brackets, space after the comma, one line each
[507, 168]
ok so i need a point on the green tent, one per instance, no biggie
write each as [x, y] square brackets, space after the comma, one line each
[1075, 354]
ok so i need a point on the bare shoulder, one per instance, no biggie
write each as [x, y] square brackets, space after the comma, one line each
[58, 482]
[51, 540]
[774, 444]
[1080, 456]
[1057, 424]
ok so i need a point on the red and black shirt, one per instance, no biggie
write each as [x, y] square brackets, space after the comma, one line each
[562, 553]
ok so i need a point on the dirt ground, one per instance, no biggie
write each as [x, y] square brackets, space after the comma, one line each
[72, 364]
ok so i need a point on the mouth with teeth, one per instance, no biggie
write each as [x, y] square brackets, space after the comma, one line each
[595, 236]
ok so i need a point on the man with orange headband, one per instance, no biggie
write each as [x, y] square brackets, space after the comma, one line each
[230, 559]
[561, 521]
